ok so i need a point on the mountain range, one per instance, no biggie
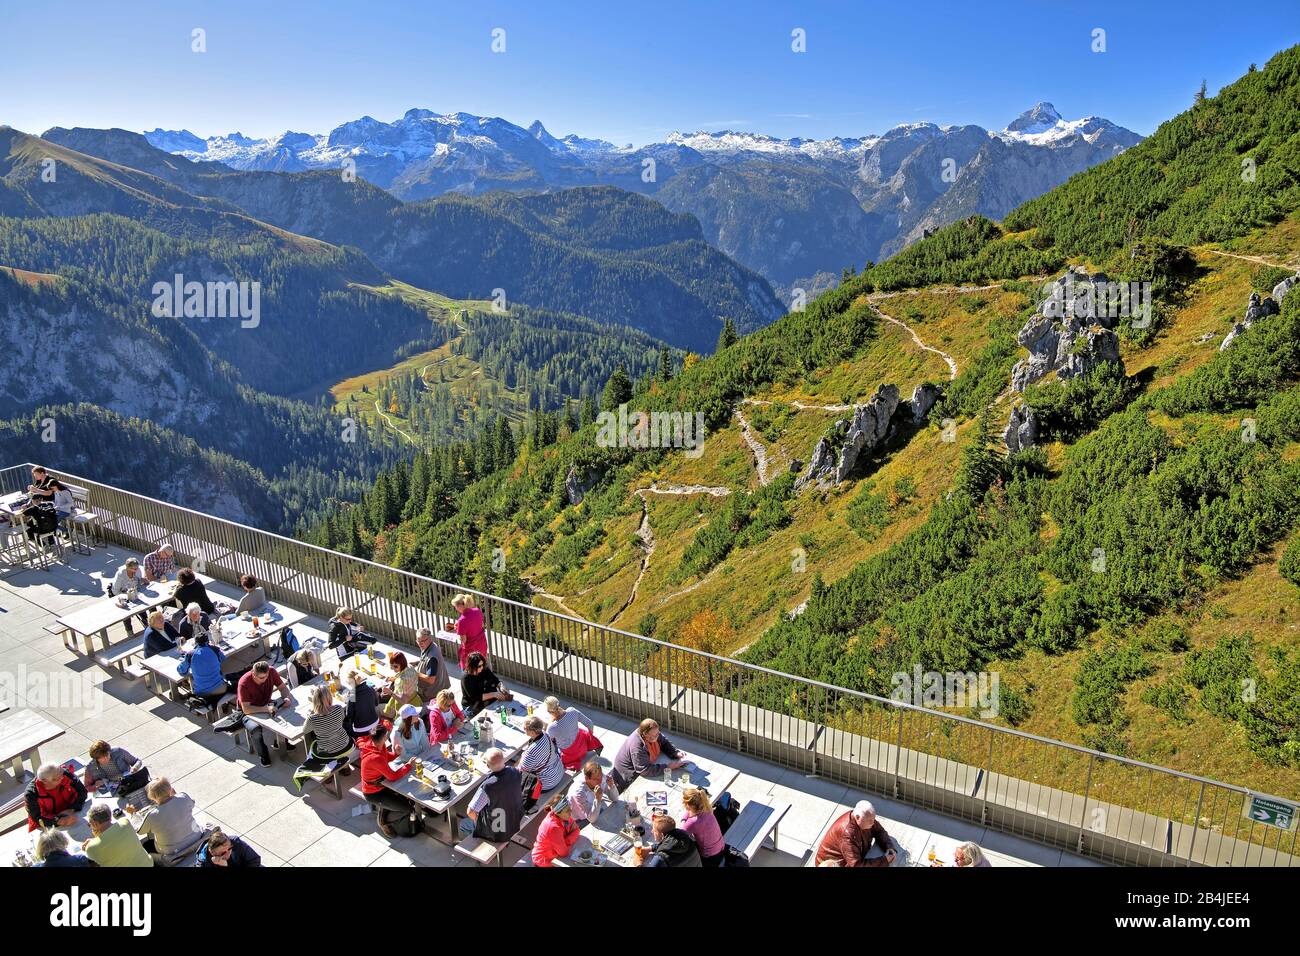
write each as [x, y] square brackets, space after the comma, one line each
[796, 210]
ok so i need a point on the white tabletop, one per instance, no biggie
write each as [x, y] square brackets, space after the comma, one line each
[236, 636]
[106, 612]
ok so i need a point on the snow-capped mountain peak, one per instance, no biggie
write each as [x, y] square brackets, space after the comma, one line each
[1041, 118]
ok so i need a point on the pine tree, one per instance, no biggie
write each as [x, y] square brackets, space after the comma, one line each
[665, 366]
[980, 465]
[727, 336]
[1200, 95]
[617, 390]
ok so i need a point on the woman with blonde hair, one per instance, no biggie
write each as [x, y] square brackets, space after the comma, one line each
[569, 733]
[700, 823]
[969, 854]
[445, 718]
[469, 627]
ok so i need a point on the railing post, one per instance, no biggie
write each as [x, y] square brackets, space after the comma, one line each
[668, 693]
[1196, 822]
[988, 775]
[1087, 789]
[898, 748]
[604, 671]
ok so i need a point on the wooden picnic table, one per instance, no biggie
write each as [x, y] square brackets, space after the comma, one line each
[21, 737]
[95, 619]
[702, 772]
[237, 635]
[508, 736]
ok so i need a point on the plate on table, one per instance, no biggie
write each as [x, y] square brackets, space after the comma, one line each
[461, 777]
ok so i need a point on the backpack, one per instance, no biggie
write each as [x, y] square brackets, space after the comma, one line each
[725, 810]
[288, 644]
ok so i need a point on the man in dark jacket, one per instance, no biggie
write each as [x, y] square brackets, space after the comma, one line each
[674, 847]
[497, 808]
[854, 836]
[222, 850]
[54, 798]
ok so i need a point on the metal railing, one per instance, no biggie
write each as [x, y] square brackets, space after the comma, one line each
[1099, 805]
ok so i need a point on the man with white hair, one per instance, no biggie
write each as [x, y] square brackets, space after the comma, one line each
[54, 798]
[160, 565]
[113, 843]
[852, 838]
[194, 623]
[53, 850]
[497, 808]
[430, 668]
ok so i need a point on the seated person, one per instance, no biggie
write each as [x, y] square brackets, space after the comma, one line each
[480, 688]
[53, 849]
[306, 665]
[128, 579]
[703, 826]
[111, 765]
[221, 850]
[113, 843]
[192, 593]
[673, 846]
[574, 732]
[42, 517]
[203, 665]
[587, 792]
[324, 735]
[541, 755]
[445, 718]
[194, 623]
[970, 854]
[853, 836]
[362, 711]
[54, 798]
[254, 693]
[641, 751]
[376, 767]
[410, 738]
[402, 687]
[497, 807]
[168, 828]
[254, 598]
[346, 634]
[556, 836]
[160, 565]
[159, 636]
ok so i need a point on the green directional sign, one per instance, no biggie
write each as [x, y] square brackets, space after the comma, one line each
[1270, 812]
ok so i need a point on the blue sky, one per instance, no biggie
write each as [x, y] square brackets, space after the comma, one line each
[625, 72]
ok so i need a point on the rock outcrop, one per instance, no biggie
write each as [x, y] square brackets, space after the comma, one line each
[1021, 432]
[1256, 309]
[837, 453]
[576, 485]
[923, 398]
[1071, 309]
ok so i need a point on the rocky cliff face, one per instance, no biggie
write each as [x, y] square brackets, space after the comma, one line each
[1021, 432]
[1068, 334]
[837, 454]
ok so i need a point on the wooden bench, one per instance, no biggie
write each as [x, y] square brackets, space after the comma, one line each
[69, 639]
[21, 737]
[757, 822]
[119, 655]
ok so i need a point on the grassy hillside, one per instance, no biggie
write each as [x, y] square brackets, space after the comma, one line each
[942, 550]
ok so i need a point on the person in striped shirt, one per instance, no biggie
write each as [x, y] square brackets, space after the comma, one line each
[326, 737]
[541, 755]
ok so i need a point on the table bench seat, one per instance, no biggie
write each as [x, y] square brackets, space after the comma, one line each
[118, 655]
[757, 821]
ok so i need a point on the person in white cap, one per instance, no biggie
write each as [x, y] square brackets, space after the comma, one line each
[410, 736]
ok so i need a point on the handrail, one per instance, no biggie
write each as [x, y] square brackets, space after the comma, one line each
[952, 720]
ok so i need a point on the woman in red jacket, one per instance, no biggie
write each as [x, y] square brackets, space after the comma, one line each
[54, 798]
[376, 767]
[557, 835]
[470, 628]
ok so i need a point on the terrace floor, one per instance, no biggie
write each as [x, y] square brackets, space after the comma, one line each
[314, 829]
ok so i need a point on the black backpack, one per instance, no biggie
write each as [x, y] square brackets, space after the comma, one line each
[725, 810]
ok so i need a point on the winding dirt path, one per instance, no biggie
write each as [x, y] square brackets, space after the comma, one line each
[389, 422]
[1258, 260]
[940, 289]
[755, 446]
[802, 406]
[647, 537]
[952, 363]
